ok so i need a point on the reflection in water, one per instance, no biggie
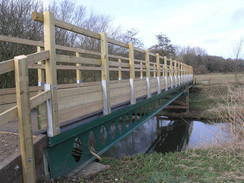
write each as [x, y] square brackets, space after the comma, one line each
[205, 135]
[169, 136]
[172, 137]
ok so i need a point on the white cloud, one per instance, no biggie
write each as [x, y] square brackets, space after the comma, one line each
[211, 24]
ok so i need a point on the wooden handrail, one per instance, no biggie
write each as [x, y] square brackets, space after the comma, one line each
[8, 65]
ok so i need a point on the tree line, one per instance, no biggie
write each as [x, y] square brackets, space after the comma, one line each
[198, 58]
[16, 21]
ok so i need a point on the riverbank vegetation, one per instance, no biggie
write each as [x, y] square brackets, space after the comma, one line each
[212, 92]
[222, 97]
[200, 165]
[218, 96]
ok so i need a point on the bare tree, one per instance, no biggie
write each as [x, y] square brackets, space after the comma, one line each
[237, 50]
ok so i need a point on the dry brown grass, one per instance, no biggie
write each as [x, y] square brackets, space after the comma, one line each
[232, 110]
[219, 78]
[228, 96]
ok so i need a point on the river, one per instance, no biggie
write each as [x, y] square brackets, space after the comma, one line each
[160, 134]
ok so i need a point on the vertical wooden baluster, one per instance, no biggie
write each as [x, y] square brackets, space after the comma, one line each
[105, 74]
[180, 73]
[166, 73]
[141, 70]
[171, 72]
[154, 70]
[41, 109]
[40, 72]
[120, 72]
[158, 72]
[174, 72]
[132, 73]
[148, 73]
[177, 73]
[78, 71]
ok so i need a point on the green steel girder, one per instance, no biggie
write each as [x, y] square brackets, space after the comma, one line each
[71, 149]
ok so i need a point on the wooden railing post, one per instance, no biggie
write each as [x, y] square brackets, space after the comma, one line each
[171, 72]
[120, 72]
[78, 72]
[158, 72]
[148, 73]
[51, 74]
[180, 73]
[132, 74]
[141, 70]
[177, 73]
[165, 73]
[184, 71]
[105, 74]
[24, 119]
[40, 72]
[41, 109]
[154, 70]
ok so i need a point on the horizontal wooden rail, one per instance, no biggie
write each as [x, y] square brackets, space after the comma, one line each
[21, 41]
[70, 27]
[8, 66]
[80, 60]
[39, 99]
[112, 63]
[11, 113]
[8, 115]
[41, 44]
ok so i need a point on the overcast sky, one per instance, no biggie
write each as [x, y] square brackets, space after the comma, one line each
[214, 25]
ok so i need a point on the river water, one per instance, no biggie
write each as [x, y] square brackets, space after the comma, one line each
[164, 135]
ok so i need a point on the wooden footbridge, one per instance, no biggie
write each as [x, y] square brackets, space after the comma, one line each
[85, 118]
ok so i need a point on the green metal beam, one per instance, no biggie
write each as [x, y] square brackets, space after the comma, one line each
[71, 149]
